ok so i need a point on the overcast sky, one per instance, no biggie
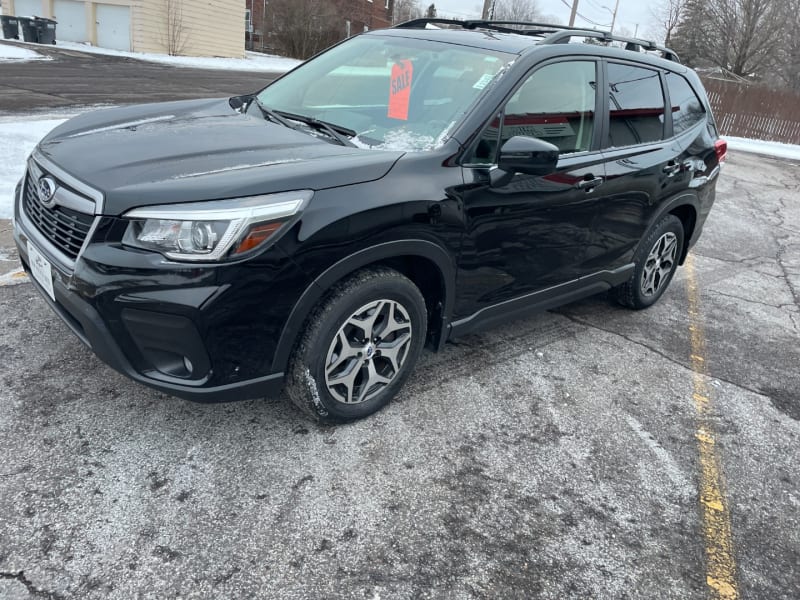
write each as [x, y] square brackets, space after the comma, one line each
[630, 14]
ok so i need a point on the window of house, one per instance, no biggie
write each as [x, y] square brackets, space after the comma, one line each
[248, 22]
[555, 104]
[686, 109]
[636, 105]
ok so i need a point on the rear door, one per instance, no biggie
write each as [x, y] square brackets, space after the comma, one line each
[641, 163]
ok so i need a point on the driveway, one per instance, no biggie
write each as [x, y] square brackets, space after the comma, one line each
[590, 452]
[73, 78]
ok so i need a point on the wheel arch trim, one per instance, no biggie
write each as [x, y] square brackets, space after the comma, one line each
[366, 256]
[685, 199]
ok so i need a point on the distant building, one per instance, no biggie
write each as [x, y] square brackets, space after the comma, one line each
[353, 16]
[213, 28]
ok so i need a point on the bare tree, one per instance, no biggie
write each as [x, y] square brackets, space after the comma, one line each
[405, 10]
[788, 48]
[517, 10]
[667, 16]
[736, 35]
[175, 35]
[301, 28]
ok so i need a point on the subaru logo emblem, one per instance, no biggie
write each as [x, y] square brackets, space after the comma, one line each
[47, 192]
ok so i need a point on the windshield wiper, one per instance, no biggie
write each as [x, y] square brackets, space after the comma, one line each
[334, 131]
[271, 114]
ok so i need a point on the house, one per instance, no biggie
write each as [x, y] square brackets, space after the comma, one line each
[344, 17]
[180, 27]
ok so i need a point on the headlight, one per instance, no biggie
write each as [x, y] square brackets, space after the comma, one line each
[211, 231]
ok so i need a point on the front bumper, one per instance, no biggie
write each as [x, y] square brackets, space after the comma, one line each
[170, 327]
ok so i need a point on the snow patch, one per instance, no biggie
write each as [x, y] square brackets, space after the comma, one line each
[124, 125]
[777, 149]
[253, 61]
[311, 383]
[18, 139]
[237, 168]
[402, 140]
[670, 467]
[9, 53]
[15, 277]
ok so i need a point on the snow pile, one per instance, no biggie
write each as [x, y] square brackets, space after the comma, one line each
[777, 149]
[18, 139]
[9, 53]
[254, 61]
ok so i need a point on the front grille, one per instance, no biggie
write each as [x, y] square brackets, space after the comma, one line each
[65, 228]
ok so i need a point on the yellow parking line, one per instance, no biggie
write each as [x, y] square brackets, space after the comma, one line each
[720, 562]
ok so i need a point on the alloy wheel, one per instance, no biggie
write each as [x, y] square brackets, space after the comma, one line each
[368, 351]
[659, 264]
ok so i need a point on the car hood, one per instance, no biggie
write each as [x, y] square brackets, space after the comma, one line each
[199, 150]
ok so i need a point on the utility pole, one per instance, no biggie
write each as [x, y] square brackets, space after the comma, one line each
[487, 5]
[573, 13]
[614, 16]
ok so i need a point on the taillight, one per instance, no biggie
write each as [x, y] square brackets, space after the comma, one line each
[721, 148]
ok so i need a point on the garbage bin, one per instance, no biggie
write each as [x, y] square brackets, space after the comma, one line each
[10, 27]
[30, 33]
[46, 29]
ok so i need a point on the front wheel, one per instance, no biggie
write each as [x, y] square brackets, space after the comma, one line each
[359, 346]
[656, 261]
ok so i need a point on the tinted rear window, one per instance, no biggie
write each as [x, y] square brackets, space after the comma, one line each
[687, 110]
[636, 105]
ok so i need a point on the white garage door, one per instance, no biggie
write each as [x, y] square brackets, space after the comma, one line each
[28, 8]
[114, 26]
[71, 17]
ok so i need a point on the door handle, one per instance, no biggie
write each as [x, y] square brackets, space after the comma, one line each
[590, 183]
[672, 168]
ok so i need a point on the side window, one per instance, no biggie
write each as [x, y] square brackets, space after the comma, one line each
[636, 105]
[555, 103]
[686, 109]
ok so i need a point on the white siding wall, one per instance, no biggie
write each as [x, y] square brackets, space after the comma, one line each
[212, 27]
[27, 8]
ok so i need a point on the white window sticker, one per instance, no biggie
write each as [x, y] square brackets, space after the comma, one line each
[483, 81]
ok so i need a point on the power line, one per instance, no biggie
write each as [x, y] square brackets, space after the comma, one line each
[568, 5]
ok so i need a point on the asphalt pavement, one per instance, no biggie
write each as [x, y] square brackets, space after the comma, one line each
[562, 456]
[73, 78]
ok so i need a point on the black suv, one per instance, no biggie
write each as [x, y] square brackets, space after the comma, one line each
[405, 187]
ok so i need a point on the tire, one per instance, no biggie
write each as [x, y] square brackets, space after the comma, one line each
[337, 376]
[656, 261]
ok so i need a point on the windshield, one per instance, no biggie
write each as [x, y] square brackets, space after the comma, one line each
[394, 93]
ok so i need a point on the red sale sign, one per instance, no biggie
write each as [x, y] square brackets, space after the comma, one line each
[400, 90]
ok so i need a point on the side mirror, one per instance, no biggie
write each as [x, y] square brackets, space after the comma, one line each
[532, 156]
[239, 103]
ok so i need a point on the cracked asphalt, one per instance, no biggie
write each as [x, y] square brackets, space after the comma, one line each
[554, 457]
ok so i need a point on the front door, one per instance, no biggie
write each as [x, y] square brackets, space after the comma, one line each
[527, 233]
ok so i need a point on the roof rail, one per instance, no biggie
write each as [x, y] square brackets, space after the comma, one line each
[501, 26]
[633, 44]
[552, 34]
